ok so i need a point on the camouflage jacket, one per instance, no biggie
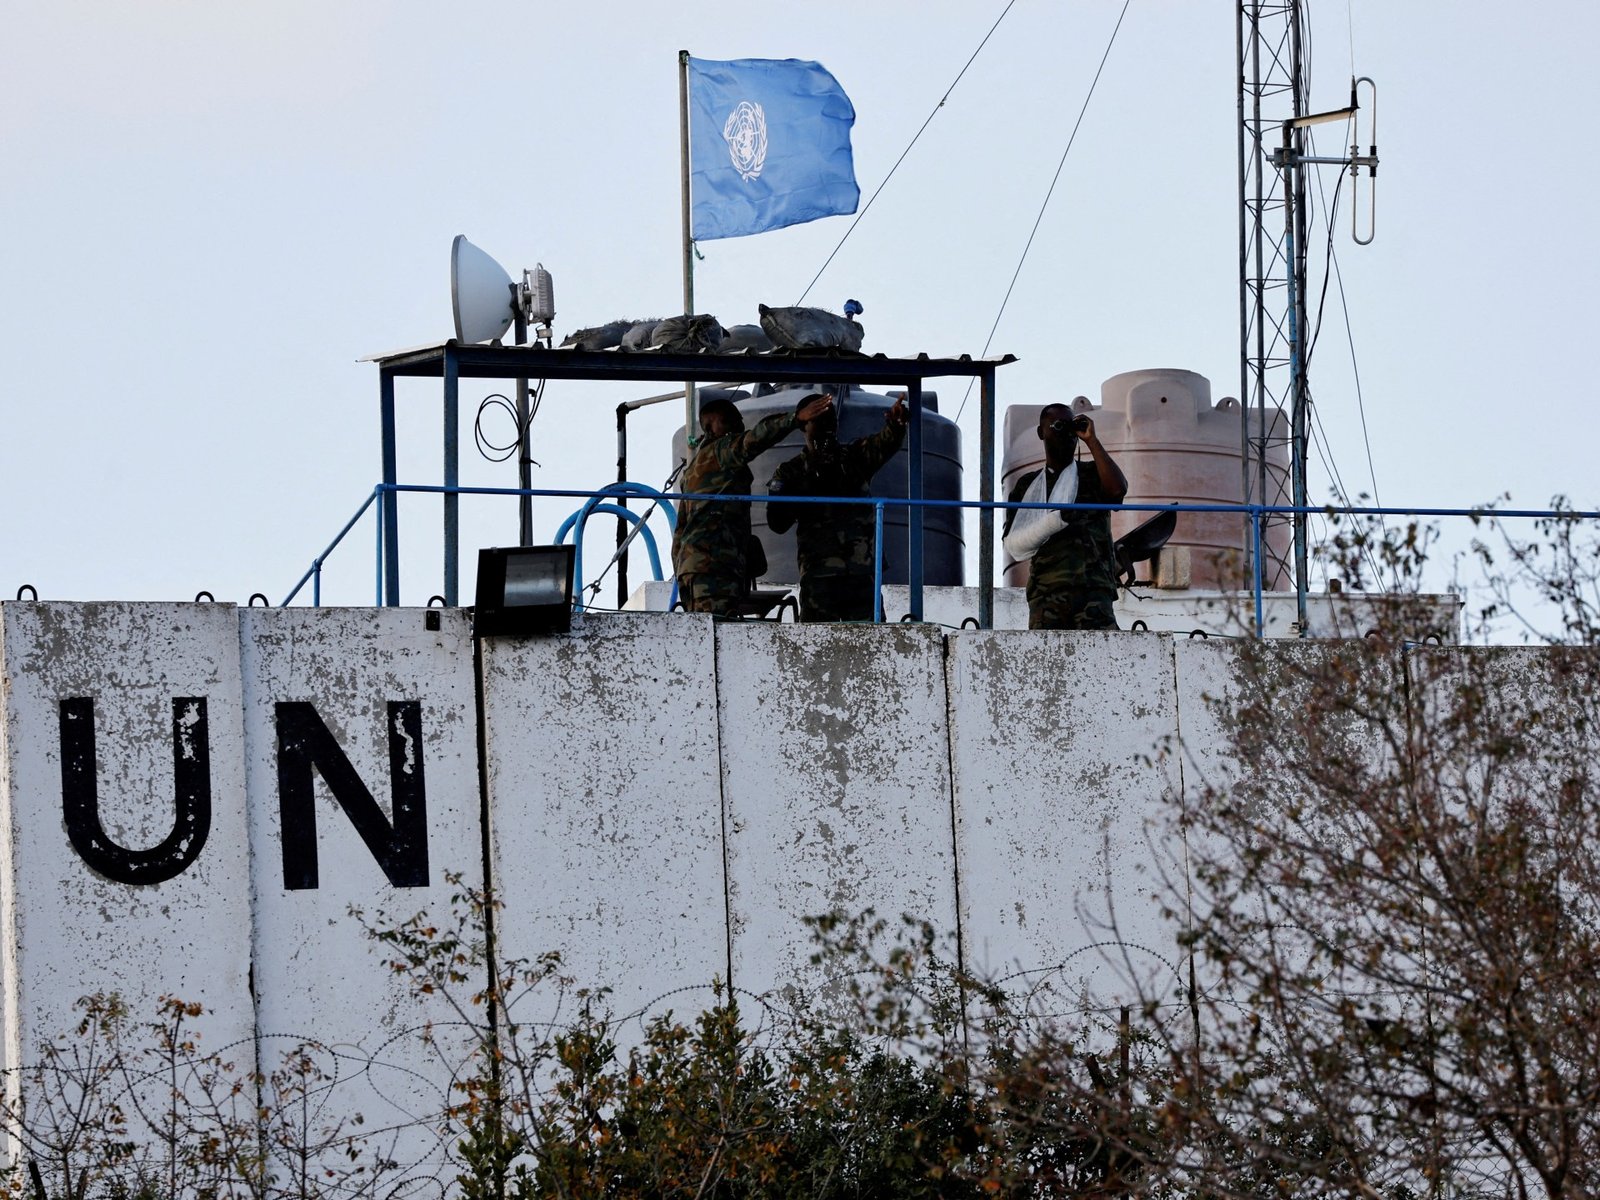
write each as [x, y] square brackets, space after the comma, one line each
[1079, 558]
[710, 538]
[833, 539]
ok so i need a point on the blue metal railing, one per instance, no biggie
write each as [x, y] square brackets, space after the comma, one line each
[314, 572]
[1257, 514]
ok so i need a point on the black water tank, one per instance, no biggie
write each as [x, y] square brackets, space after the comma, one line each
[861, 413]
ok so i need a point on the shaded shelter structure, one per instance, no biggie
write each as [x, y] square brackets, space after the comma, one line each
[451, 361]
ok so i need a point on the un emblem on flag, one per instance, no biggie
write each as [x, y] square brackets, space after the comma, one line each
[746, 133]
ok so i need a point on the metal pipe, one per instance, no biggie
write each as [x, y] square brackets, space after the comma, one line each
[1244, 268]
[622, 513]
[611, 491]
[378, 586]
[986, 496]
[1294, 219]
[1273, 509]
[1295, 200]
[389, 519]
[452, 477]
[622, 524]
[1255, 543]
[316, 563]
[691, 421]
[877, 562]
[1261, 265]
[914, 493]
[524, 434]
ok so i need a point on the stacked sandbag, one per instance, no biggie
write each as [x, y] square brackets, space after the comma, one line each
[746, 339]
[697, 334]
[641, 335]
[810, 329]
[599, 337]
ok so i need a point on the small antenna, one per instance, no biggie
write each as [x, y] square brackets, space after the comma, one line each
[1368, 160]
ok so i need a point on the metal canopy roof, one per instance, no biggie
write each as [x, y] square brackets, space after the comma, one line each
[452, 361]
[475, 361]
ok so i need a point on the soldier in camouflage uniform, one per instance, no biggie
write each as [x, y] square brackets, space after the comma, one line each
[709, 546]
[1072, 580]
[835, 540]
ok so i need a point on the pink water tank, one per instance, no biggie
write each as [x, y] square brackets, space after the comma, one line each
[1175, 446]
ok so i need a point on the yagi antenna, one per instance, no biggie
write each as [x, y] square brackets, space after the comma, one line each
[1370, 161]
[485, 302]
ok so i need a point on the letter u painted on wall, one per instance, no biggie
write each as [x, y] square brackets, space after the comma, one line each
[80, 795]
[305, 744]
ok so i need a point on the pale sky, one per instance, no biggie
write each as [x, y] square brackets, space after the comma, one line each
[211, 211]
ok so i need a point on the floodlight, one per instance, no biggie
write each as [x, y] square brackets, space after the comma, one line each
[524, 590]
[482, 295]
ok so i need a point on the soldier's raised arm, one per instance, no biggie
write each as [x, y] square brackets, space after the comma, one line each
[769, 431]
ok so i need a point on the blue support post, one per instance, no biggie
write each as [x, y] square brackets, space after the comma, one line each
[1255, 559]
[986, 495]
[914, 494]
[877, 562]
[452, 476]
[379, 582]
[389, 510]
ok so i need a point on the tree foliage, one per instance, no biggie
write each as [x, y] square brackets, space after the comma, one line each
[1400, 905]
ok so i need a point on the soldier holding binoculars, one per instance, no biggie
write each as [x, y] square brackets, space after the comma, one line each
[1071, 568]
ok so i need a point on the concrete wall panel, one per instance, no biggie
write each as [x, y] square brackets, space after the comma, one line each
[144, 699]
[1208, 689]
[318, 975]
[836, 783]
[1059, 786]
[607, 837]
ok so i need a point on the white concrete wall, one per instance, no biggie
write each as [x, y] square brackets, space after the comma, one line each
[602, 775]
[668, 798]
[836, 785]
[1058, 796]
[70, 930]
[319, 976]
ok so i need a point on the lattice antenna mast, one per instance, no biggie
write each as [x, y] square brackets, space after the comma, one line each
[1271, 90]
[1273, 329]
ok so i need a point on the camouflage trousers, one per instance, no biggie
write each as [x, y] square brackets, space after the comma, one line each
[719, 595]
[837, 598]
[1072, 610]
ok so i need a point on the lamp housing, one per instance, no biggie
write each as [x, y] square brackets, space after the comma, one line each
[524, 591]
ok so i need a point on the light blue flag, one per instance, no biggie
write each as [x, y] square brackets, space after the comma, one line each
[769, 146]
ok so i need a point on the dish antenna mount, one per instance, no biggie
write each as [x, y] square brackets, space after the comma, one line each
[485, 303]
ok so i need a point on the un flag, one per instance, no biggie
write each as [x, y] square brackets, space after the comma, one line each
[769, 146]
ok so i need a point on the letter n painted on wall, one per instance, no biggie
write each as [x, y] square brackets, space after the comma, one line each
[80, 795]
[306, 744]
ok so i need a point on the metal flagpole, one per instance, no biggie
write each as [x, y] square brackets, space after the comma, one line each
[691, 423]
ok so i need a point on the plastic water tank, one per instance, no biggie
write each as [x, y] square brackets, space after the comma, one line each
[1174, 445]
[861, 413]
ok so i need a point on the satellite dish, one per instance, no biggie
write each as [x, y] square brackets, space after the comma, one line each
[482, 295]
[486, 301]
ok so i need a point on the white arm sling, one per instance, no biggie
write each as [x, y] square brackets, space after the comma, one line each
[1033, 527]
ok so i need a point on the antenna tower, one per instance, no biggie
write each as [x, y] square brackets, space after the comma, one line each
[1272, 90]
[1273, 331]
